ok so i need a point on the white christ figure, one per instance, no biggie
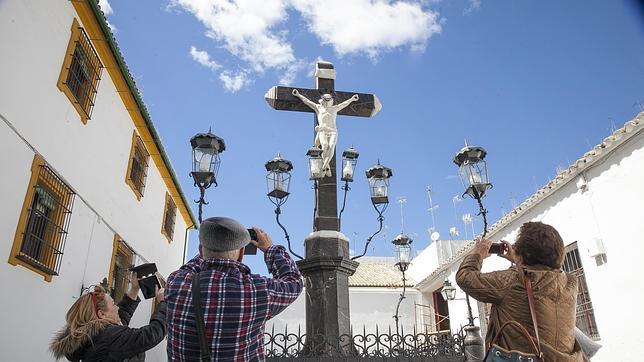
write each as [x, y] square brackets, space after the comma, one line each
[326, 132]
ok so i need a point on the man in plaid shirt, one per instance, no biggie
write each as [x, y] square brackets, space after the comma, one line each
[236, 304]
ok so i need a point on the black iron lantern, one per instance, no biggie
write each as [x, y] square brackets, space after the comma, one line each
[448, 291]
[278, 178]
[315, 163]
[378, 177]
[403, 251]
[349, 161]
[206, 148]
[473, 170]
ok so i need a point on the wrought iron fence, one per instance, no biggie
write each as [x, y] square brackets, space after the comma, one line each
[378, 345]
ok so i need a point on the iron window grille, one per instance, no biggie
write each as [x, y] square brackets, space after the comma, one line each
[585, 313]
[169, 217]
[139, 159]
[81, 72]
[49, 213]
[119, 274]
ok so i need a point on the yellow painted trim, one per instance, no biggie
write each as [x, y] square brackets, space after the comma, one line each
[22, 220]
[168, 197]
[62, 86]
[93, 30]
[128, 180]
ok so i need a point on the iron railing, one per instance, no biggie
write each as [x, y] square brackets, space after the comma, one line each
[84, 73]
[380, 345]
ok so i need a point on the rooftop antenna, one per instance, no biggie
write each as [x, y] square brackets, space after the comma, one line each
[402, 200]
[455, 200]
[640, 104]
[433, 234]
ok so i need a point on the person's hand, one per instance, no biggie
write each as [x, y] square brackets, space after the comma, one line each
[134, 286]
[295, 92]
[160, 295]
[482, 247]
[263, 241]
[355, 97]
[509, 252]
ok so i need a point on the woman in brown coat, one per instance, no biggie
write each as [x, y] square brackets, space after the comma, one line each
[540, 250]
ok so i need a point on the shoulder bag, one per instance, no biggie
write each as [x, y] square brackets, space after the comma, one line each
[498, 354]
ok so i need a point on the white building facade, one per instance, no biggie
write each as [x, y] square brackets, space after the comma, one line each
[87, 188]
[595, 204]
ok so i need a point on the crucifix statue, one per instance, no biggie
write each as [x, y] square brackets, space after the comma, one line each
[327, 265]
[326, 132]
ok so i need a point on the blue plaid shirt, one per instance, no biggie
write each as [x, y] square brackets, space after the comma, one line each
[236, 305]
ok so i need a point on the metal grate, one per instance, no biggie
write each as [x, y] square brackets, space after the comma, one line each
[123, 260]
[585, 313]
[139, 167]
[169, 217]
[378, 345]
[50, 211]
[84, 73]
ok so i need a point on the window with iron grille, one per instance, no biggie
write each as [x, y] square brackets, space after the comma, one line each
[44, 221]
[169, 216]
[138, 166]
[585, 313]
[81, 72]
[122, 260]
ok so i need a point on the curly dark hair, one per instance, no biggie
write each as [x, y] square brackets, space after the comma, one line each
[540, 243]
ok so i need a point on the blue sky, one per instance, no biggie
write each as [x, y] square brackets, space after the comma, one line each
[537, 83]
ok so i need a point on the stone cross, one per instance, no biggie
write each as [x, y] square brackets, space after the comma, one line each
[327, 266]
[367, 105]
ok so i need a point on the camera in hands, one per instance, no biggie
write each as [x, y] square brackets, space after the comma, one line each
[251, 249]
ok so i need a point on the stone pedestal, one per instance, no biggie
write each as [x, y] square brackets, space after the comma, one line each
[326, 272]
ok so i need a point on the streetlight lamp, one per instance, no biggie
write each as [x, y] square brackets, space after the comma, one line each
[315, 163]
[349, 161]
[473, 173]
[278, 180]
[378, 177]
[206, 148]
[403, 252]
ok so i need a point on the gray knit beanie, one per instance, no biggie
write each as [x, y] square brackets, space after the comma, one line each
[223, 234]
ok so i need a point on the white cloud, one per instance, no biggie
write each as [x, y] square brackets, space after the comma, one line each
[105, 6]
[202, 57]
[369, 26]
[473, 6]
[234, 82]
[246, 28]
[254, 31]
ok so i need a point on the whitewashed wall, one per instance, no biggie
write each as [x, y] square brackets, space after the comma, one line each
[610, 209]
[91, 158]
[368, 307]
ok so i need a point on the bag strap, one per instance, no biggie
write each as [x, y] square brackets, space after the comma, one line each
[533, 313]
[204, 348]
[535, 349]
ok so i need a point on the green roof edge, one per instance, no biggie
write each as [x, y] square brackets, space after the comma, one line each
[139, 101]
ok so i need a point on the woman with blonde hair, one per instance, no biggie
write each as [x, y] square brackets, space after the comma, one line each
[97, 329]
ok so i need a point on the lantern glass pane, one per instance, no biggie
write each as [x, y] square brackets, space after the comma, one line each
[348, 168]
[278, 181]
[204, 160]
[315, 168]
[379, 187]
[404, 252]
[473, 173]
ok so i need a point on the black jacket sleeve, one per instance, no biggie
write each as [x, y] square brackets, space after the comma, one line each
[128, 341]
[127, 306]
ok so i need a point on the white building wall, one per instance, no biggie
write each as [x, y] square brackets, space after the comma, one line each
[611, 210]
[369, 307]
[91, 158]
